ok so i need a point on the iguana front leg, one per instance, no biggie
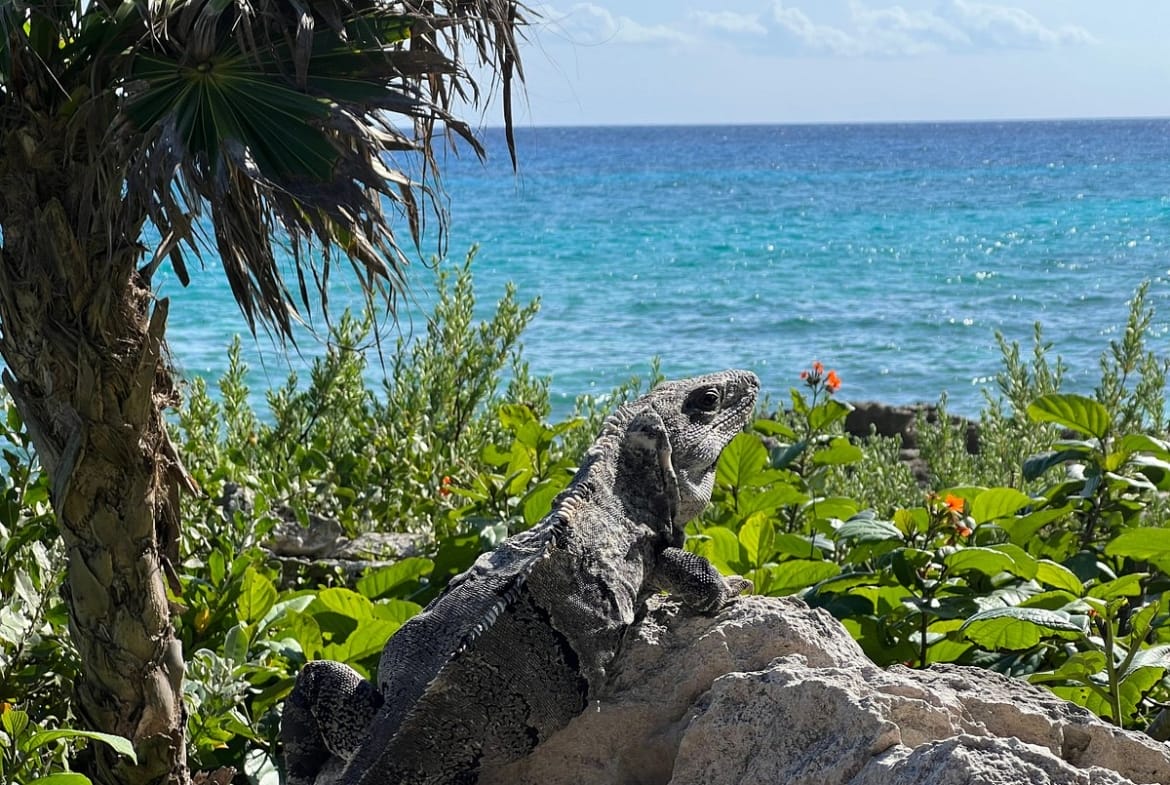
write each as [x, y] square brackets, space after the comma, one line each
[695, 581]
[327, 714]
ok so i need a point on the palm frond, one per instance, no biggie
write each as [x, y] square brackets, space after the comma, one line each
[304, 120]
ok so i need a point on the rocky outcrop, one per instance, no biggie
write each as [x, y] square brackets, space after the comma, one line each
[869, 418]
[769, 691]
[321, 553]
[316, 548]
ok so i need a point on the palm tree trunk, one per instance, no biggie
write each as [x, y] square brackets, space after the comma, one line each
[83, 341]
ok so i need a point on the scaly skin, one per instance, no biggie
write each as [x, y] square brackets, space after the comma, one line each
[520, 643]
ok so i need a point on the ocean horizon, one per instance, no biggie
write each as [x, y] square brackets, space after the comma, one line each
[892, 252]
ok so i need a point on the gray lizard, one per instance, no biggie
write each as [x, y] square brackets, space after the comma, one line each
[519, 644]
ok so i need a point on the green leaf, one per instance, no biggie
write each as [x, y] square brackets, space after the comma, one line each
[741, 461]
[843, 583]
[907, 563]
[384, 581]
[367, 639]
[257, 597]
[840, 507]
[1135, 685]
[1080, 666]
[781, 457]
[307, 632]
[781, 494]
[1083, 665]
[1088, 697]
[996, 503]
[799, 403]
[1036, 465]
[119, 744]
[859, 530]
[1130, 693]
[1022, 530]
[235, 644]
[396, 610]
[941, 646]
[1023, 564]
[514, 416]
[216, 568]
[538, 501]
[911, 521]
[1153, 657]
[1142, 619]
[1053, 600]
[1077, 412]
[793, 575]
[981, 560]
[798, 545]
[826, 413]
[345, 602]
[1140, 442]
[1058, 576]
[62, 778]
[14, 722]
[757, 536]
[769, 428]
[1017, 629]
[840, 452]
[1148, 544]
[235, 99]
[1129, 585]
[287, 607]
[455, 554]
[720, 546]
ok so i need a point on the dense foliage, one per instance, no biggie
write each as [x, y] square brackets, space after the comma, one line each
[1043, 555]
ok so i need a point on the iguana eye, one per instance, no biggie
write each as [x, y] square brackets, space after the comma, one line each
[707, 399]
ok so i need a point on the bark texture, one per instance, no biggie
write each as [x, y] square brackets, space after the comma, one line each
[83, 340]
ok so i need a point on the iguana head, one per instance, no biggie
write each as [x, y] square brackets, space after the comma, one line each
[701, 416]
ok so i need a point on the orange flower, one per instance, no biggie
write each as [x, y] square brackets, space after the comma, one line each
[818, 369]
[963, 530]
[832, 382]
[445, 486]
[955, 503]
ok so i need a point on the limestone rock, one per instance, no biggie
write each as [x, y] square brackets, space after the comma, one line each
[769, 691]
[320, 551]
[886, 420]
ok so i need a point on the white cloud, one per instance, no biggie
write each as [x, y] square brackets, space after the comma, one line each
[894, 31]
[867, 31]
[588, 24]
[1014, 27]
[818, 38]
[729, 22]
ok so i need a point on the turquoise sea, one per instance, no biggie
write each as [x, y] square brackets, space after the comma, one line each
[891, 253]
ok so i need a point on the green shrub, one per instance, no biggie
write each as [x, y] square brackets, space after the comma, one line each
[1044, 556]
[336, 448]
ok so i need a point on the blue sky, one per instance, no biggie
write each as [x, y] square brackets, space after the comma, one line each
[776, 61]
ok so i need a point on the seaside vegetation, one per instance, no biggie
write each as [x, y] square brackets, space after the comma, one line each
[1043, 555]
[293, 143]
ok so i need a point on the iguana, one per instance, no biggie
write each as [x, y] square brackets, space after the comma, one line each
[519, 644]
